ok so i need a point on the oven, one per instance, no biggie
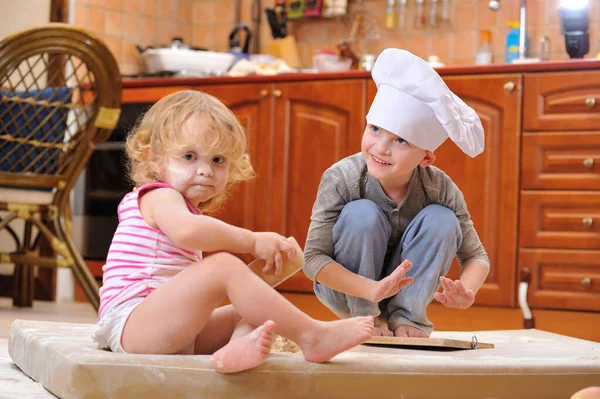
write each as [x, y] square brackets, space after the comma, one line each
[101, 186]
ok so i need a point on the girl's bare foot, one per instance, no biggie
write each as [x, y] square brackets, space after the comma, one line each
[334, 337]
[245, 352]
[381, 327]
[404, 330]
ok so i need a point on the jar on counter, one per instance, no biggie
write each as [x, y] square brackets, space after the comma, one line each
[367, 61]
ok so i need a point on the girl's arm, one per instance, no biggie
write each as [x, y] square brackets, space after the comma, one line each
[166, 210]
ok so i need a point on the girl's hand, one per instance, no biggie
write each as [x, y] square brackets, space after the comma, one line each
[392, 284]
[454, 295]
[268, 246]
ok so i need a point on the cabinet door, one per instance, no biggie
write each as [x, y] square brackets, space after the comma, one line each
[562, 101]
[251, 104]
[316, 124]
[560, 219]
[561, 161]
[490, 181]
[562, 279]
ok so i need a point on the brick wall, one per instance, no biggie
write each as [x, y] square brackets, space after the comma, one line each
[207, 23]
[457, 43]
[123, 24]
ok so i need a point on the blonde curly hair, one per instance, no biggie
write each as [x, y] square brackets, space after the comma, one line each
[161, 129]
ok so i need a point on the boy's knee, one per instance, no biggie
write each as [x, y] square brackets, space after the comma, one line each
[361, 215]
[441, 221]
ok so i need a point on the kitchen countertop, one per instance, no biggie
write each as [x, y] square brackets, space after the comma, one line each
[545, 66]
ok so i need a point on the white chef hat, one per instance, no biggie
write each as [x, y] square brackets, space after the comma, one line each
[414, 103]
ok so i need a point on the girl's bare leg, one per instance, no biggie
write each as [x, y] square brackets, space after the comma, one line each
[247, 351]
[174, 314]
[222, 325]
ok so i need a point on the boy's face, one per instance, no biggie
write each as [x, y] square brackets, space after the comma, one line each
[193, 170]
[391, 158]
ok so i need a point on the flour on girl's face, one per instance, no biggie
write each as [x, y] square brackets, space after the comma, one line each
[180, 176]
[194, 170]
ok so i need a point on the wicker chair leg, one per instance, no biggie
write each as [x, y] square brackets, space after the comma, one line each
[23, 274]
[23, 288]
[82, 274]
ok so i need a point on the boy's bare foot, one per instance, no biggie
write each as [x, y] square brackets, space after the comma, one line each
[405, 330]
[335, 337]
[381, 327]
[245, 352]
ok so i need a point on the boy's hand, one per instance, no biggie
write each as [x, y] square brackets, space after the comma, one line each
[392, 284]
[268, 246]
[454, 295]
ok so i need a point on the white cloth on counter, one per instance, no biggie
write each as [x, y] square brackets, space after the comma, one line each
[257, 67]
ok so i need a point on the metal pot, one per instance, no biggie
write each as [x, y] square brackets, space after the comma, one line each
[177, 43]
[180, 58]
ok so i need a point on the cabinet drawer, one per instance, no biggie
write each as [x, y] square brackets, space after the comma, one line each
[565, 279]
[555, 219]
[561, 160]
[562, 101]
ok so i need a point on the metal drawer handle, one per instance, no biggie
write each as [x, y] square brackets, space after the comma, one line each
[588, 162]
[510, 86]
[586, 282]
[588, 222]
[264, 93]
[590, 102]
[276, 93]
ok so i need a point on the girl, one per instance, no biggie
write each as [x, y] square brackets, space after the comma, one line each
[159, 295]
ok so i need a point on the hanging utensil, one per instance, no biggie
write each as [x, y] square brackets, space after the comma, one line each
[274, 24]
[281, 14]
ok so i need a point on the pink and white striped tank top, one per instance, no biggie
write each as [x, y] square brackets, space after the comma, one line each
[140, 257]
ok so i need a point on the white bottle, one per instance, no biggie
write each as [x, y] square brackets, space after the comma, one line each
[434, 61]
[484, 54]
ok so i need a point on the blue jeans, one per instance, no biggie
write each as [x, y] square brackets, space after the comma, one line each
[360, 237]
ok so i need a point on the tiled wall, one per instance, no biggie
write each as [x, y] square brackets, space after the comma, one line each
[207, 23]
[456, 44]
[124, 24]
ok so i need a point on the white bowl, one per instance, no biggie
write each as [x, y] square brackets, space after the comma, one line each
[191, 61]
[331, 63]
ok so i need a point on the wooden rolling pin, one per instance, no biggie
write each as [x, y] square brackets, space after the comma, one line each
[290, 267]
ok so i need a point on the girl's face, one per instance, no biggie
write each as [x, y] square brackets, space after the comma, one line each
[391, 159]
[197, 172]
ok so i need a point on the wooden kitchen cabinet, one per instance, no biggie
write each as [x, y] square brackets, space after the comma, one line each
[489, 181]
[563, 279]
[296, 130]
[561, 101]
[251, 104]
[315, 125]
[559, 235]
[533, 194]
[560, 160]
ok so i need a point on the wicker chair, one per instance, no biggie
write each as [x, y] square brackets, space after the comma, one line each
[60, 91]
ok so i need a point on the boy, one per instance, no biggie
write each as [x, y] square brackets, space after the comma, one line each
[386, 224]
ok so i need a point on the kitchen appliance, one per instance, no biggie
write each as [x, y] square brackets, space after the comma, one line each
[574, 24]
[277, 18]
[181, 58]
[236, 49]
[101, 186]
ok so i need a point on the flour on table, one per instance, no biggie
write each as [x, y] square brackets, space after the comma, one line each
[282, 344]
